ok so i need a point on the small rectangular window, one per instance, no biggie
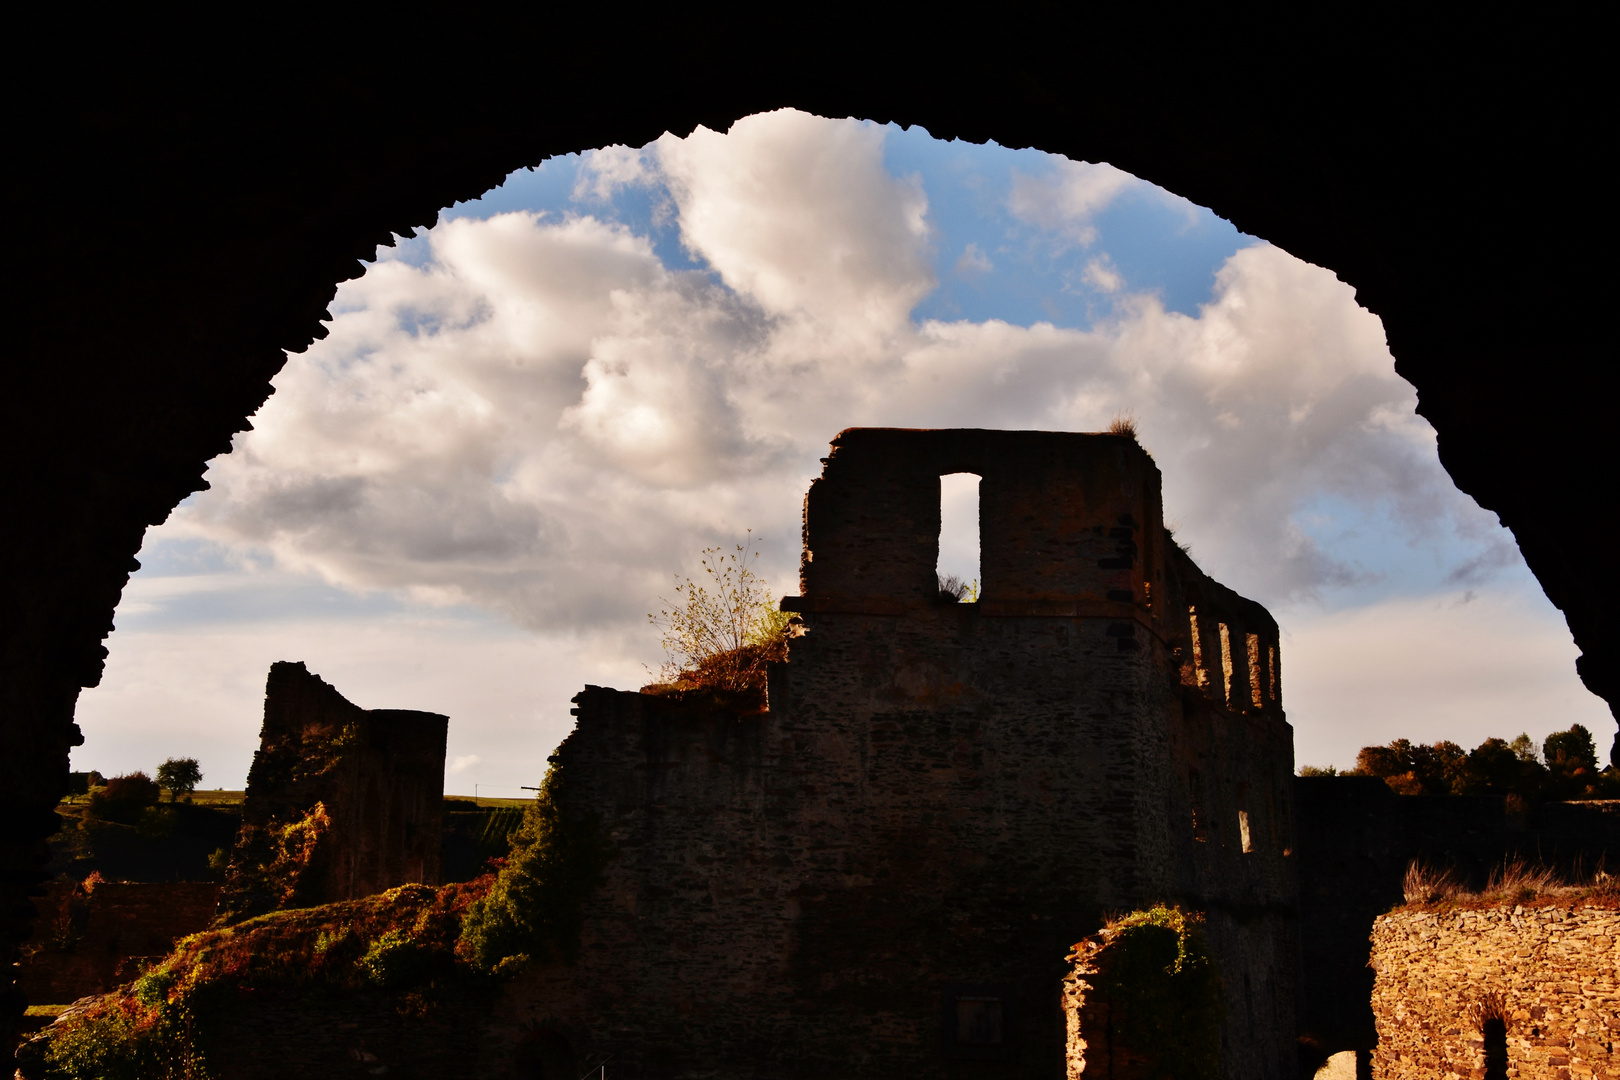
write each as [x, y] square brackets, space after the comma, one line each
[980, 1022]
[1244, 836]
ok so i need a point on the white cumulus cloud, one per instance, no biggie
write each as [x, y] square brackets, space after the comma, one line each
[1066, 198]
[544, 420]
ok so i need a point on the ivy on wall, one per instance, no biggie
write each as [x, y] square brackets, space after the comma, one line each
[1165, 991]
[534, 910]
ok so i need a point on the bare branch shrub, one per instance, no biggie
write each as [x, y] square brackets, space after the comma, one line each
[722, 634]
[1605, 884]
[953, 590]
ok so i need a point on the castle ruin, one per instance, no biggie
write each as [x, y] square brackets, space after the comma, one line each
[883, 871]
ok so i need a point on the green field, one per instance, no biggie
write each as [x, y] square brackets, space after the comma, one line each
[462, 802]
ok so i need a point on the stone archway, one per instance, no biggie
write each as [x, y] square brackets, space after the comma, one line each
[188, 195]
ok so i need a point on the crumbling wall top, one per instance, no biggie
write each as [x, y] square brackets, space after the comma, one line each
[1064, 517]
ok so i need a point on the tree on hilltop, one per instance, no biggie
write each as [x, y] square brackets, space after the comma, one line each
[179, 776]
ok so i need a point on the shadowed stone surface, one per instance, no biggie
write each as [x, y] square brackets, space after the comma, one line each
[942, 797]
[379, 774]
[189, 190]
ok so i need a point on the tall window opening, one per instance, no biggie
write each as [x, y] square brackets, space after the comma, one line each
[1256, 692]
[959, 536]
[1496, 1055]
[1226, 666]
[1195, 796]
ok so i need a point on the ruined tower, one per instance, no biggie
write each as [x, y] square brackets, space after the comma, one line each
[881, 874]
[378, 776]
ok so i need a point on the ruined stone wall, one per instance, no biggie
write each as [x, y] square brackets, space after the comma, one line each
[124, 921]
[379, 773]
[882, 875]
[1556, 969]
[1356, 838]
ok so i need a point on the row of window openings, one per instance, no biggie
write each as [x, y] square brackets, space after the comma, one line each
[1247, 833]
[1261, 669]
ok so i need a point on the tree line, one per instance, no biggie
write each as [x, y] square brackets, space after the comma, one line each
[1565, 766]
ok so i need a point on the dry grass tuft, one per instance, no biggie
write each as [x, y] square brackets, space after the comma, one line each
[1513, 882]
[1123, 424]
[1425, 884]
[1518, 880]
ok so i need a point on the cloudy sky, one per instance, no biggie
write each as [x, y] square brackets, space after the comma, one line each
[527, 420]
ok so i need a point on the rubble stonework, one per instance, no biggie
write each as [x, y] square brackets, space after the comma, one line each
[1557, 971]
[1356, 838]
[378, 774]
[882, 873]
[124, 923]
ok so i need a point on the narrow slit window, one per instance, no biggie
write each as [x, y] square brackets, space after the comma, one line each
[1195, 796]
[1200, 671]
[958, 567]
[1494, 1031]
[1226, 665]
[1271, 670]
[1255, 689]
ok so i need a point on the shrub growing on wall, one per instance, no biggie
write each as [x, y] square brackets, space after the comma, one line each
[1166, 990]
[534, 910]
[723, 634]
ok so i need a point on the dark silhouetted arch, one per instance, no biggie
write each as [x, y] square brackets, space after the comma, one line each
[187, 187]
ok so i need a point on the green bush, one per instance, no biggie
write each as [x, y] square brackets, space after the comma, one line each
[270, 868]
[1161, 979]
[158, 822]
[534, 910]
[397, 946]
[396, 959]
[124, 798]
[120, 1039]
[725, 639]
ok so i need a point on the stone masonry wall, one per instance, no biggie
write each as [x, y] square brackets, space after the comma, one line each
[881, 875]
[1556, 969]
[125, 921]
[1356, 838]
